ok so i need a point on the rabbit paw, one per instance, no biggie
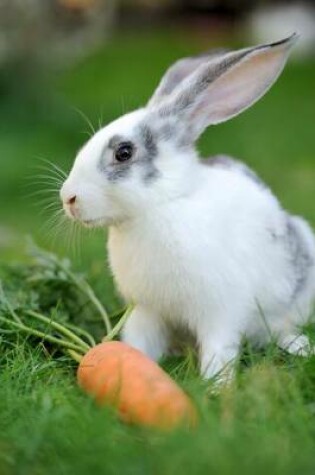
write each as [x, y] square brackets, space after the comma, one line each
[296, 344]
[145, 331]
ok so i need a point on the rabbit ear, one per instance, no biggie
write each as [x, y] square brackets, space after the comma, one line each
[222, 88]
[178, 72]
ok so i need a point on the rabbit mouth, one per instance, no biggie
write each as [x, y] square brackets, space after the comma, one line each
[93, 223]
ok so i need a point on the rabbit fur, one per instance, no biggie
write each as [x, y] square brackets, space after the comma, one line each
[197, 244]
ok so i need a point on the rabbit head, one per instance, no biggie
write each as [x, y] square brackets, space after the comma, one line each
[147, 156]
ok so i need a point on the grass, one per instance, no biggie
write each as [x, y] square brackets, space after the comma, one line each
[48, 426]
[265, 422]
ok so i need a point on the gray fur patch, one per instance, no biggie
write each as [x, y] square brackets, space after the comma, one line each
[145, 146]
[167, 131]
[300, 257]
[147, 152]
[165, 128]
[149, 141]
[229, 163]
[115, 141]
[115, 171]
[118, 171]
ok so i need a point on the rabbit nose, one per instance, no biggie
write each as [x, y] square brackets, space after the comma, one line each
[67, 194]
[70, 201]
[70, 206]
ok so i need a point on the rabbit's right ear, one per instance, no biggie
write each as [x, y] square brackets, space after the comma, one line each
[179, 71]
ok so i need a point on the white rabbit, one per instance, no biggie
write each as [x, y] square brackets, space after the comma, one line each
[202, 245]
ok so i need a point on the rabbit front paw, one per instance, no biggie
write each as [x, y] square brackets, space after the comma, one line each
[296, 344]
[145, 331]
[217, 359]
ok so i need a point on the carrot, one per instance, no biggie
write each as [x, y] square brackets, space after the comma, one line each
[112, 372]
[116, 374]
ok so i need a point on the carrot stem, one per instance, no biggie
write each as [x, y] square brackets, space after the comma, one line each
[44, 336]
[114, 332]
[82, 332]
[75, 355]
[65, 331]
[97, 304]
[88, 291]
[80, 283]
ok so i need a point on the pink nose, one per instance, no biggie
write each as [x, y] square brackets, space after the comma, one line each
[71, 200]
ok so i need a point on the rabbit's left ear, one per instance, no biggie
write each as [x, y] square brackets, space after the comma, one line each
[220, 89]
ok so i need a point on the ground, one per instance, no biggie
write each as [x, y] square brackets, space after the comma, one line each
[265, 422]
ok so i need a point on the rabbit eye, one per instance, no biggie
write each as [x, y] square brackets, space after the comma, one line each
[124, 152]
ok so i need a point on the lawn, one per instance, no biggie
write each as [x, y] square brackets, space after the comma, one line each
[265, 422]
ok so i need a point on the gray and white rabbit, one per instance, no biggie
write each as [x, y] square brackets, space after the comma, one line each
[199, 244]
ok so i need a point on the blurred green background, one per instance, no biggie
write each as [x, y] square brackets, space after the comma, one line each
[77, 65]
[63, 64]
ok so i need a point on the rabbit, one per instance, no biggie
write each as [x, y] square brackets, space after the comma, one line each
[196, 244]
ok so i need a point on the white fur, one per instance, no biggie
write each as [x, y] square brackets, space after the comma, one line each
[201, 247]
[207, 261]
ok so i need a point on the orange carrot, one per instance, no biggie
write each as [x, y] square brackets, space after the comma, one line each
[116, 374]
[113, 372]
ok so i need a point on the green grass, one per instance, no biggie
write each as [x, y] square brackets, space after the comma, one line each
[264, 423]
